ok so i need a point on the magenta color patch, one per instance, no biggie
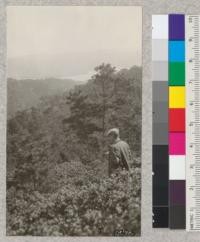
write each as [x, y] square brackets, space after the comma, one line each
[177, 143]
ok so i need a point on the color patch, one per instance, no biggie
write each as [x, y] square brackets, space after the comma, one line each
[177, 192]
[160, 112]
[160, 27]
[159, 50]
[160, 217]
[176, 27]
[177, 217]
[160, 133]
[177, 120]
[160, 91]
[177, 167]
[176, 97]
[177, 74]
[160, 70]
[176, 51]
[160, 177]
[177, 143]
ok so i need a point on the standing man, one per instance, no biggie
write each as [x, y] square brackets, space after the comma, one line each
[119, 152]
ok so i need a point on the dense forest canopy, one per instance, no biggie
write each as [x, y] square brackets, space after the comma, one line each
[56, 168]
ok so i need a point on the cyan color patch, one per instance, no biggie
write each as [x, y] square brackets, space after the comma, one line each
[176, 51]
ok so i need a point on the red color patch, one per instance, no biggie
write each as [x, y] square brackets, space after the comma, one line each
[176, 120]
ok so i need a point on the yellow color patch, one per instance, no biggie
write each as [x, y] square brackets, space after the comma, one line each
[176, 97]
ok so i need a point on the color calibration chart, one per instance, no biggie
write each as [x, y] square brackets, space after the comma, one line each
[176, 121]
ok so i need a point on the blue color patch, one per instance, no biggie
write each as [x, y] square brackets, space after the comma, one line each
[176, 51]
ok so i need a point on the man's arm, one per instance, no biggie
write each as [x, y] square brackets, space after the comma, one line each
[114, 155]
[126, 157]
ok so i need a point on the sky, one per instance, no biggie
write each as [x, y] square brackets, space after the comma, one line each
[69, 41]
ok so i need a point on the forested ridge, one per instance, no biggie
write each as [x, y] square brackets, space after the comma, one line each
[26, 93]
[57, 174]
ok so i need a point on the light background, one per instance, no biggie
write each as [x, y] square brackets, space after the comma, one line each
[69, 41]
[149, 7]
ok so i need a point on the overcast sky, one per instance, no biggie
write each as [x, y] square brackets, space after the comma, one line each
[71, 41]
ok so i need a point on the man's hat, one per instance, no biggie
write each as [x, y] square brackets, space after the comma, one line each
[113, 131]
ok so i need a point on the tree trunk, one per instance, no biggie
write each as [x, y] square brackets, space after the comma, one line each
[104, 114]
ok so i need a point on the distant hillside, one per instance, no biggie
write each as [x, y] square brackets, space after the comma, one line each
[26, 93]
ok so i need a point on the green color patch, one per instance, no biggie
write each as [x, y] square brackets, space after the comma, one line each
[177, 74]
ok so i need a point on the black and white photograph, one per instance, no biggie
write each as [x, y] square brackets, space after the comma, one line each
[74, 117]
